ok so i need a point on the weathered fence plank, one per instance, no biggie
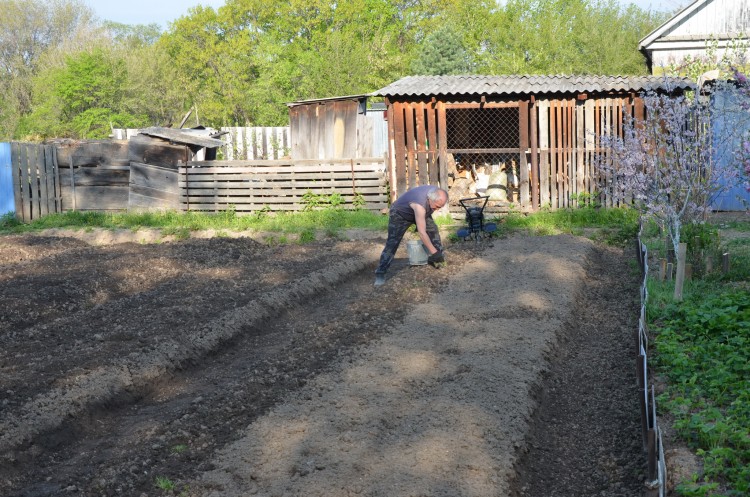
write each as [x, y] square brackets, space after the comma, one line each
[146, 150]
[16, 174]
[249, 143]
[153, 187]
[96, 198]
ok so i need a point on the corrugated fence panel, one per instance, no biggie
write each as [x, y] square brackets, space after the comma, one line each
[7, 200]
[251, 186]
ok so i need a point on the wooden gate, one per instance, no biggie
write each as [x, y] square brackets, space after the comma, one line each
[36, 181]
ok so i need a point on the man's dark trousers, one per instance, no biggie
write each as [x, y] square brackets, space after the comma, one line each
[397, 226]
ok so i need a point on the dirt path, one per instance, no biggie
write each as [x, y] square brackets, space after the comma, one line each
[226, 367]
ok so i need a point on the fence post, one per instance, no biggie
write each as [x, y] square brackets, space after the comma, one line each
[680, 277]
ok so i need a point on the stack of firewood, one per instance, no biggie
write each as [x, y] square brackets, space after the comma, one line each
[498, 181]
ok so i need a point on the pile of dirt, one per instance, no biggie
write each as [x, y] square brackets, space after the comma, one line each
[225, 366]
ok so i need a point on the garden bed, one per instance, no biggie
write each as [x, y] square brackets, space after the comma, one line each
[227, 366]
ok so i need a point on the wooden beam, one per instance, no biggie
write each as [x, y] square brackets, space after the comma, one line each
[411, 144]
[15, 165]
[442, 145]
[390, 154]
[432, 144]
[421, 144]
[553, 144]
[534, 155]
[25, 182]
[523, 120]
[544, 154]
[400, 147]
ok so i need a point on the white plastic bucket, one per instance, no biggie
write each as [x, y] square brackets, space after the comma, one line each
[417, 253]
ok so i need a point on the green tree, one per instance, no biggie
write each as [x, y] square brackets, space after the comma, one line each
[567, 37]
[82, 99]
[442, 53]
[28, 28]
[214, 65]
[243, 63]
[133, 35]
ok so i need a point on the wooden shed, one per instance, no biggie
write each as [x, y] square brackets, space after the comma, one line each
[526, 141]
[119, 175]
[336, 128]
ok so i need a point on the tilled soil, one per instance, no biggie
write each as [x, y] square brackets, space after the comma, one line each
[223, 366]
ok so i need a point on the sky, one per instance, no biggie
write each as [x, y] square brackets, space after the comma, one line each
[163, 12]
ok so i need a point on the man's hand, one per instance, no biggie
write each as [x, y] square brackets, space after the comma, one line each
[436, 258]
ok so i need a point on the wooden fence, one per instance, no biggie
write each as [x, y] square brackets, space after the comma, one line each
[36, 181]
[256, 143]
[242, 143]
[251, 186]
[94, 175]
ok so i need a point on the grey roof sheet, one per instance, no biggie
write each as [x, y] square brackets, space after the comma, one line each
[184, 136]
[506, 85]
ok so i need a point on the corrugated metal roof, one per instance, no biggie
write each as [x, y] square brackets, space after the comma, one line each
[506, 85]
[327, 99]
[196, 137]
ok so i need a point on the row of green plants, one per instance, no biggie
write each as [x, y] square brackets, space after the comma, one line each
[701, 347]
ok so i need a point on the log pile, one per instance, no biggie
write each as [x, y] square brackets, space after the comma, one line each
[498, 181]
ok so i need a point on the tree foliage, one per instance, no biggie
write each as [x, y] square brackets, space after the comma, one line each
[84, 99]
[442, 53]
[28, 29]
[241, 64]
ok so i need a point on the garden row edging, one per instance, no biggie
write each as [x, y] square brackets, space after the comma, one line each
[651, 432]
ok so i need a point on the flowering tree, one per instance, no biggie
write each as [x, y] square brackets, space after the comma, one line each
[671, 164]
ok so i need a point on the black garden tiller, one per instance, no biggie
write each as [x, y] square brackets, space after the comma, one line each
[477, 228]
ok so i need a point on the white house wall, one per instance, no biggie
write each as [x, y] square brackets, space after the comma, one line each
[704, 24]
[717, 18]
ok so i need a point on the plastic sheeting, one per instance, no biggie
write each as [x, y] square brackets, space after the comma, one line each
[7, 203]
